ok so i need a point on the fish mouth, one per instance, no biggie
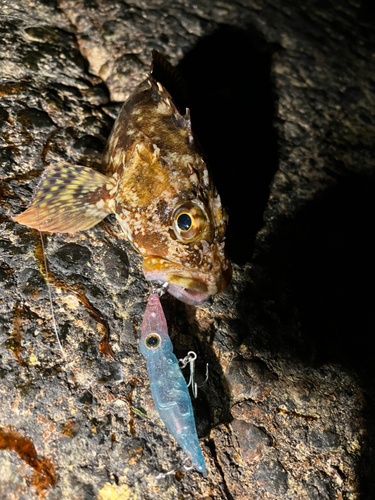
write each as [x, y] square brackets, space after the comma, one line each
[188, 296]
[190, 286]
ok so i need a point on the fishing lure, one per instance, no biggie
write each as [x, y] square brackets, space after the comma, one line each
[168, 387]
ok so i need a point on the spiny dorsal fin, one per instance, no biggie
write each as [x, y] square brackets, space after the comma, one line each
[69, 198]
[170, 77]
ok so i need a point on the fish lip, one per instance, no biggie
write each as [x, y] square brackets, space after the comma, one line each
[188, 296]
[188, 285]
[185, 295]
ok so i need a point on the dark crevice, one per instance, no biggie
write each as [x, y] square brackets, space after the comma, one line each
[212, 405]
[324, 256]
[232, 107]
[212, 447]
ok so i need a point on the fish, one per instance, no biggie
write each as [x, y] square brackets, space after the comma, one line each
[168, 387]
[156, 181]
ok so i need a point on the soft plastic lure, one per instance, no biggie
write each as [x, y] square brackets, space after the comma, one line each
[168, 387]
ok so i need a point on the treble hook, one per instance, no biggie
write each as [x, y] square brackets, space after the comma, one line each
[190, 359]
[160, 289]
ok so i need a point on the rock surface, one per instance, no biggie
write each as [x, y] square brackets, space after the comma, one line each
[281, 93]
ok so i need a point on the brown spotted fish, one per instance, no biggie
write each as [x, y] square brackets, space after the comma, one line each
[158, 186]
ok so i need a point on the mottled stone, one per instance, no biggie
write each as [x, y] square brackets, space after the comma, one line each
[251, 440]
[324, 440]
[71, 255]
[281, 92]
[272, 478]
[115, 263]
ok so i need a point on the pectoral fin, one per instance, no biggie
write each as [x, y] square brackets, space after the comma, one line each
[69, 198]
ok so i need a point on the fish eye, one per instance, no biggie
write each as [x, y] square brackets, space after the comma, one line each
[152, 341]
[189, 221]
[184, 221]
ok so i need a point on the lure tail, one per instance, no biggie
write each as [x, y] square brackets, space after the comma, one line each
[168, 387]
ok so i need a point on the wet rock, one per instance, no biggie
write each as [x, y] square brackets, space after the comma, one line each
[251, 440]
[272, 478]
[72, 256]
[324, 440]
[88, 144]
[250, 380]
[32, 117]
[115, 264]
[283, 93]
[34, 282]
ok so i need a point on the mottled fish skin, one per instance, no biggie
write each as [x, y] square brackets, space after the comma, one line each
[155, 172]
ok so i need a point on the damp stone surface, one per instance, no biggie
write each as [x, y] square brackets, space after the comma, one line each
[282, 98]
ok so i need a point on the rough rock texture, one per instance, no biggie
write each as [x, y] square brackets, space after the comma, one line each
[281, 92]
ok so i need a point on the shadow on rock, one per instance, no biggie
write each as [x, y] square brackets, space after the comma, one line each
[232, 108]
[326, 255]
[212, 405]
[325, 258]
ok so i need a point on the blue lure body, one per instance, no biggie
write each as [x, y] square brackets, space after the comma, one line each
[168, 387]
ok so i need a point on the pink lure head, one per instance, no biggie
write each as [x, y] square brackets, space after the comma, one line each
[154, 331]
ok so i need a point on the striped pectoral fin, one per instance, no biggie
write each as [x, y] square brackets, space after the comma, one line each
[69, 198]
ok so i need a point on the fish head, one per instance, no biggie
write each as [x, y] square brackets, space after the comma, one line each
[195, 264]
[173, 216]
